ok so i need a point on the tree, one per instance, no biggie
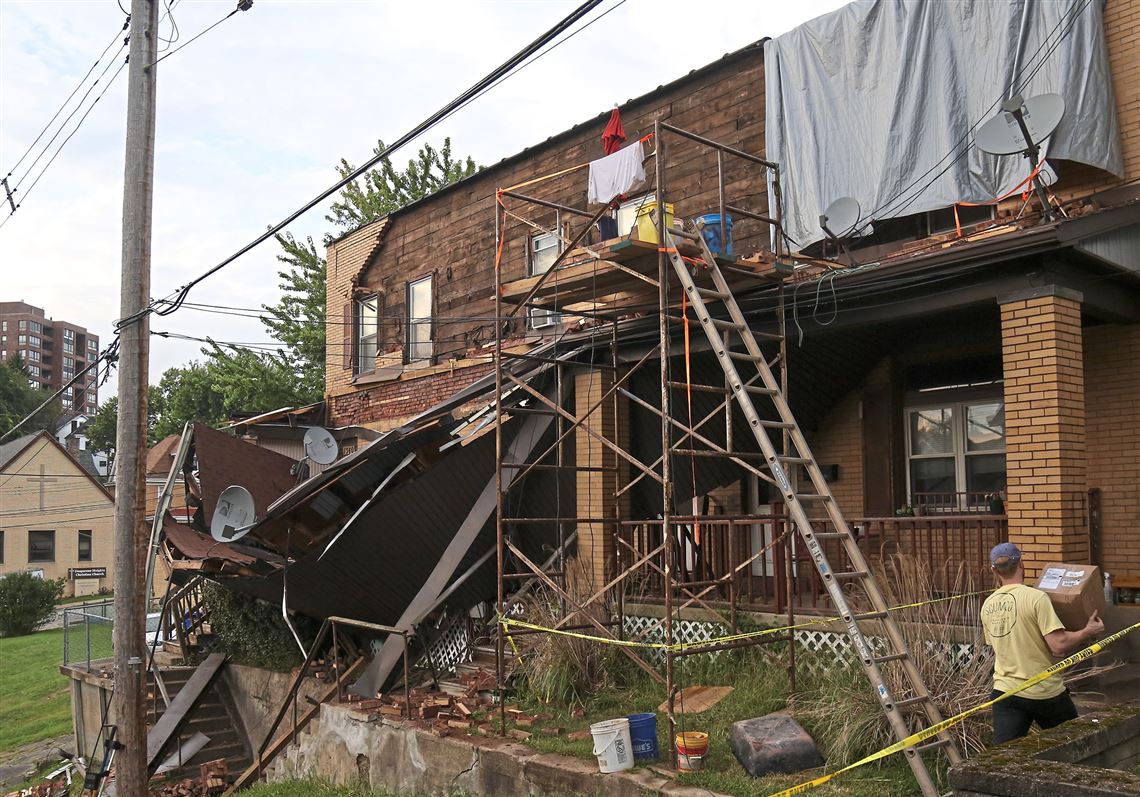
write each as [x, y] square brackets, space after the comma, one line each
[26, 601]
[18, 398]
[102, 428]
[383, 190]
[298, 319]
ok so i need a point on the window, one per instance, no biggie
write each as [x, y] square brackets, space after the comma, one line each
[41, 546]
[67, 402]
[366, 329]
[69, 334]
[956, 455]
[23, 326]
[419, 320]
[68, 362]
[3, 326]
[33, 370]
[22, 340]
[32, 356]
[544, 249]
[69, 347]
[36, 326]
[84, 546]
[92, 345]
[34, 340]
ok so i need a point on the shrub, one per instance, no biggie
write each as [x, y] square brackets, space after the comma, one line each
[252, 631]
[26, 602]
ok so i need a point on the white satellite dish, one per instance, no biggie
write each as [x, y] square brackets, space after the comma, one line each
[1004, 134]
[233, 516]
[320, 446]
[1021, 127]
[840, 217]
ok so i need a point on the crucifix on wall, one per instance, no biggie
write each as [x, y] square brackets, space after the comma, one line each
[43, 479]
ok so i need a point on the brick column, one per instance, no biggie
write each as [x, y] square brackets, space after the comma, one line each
[1045, 425]
[595, 489]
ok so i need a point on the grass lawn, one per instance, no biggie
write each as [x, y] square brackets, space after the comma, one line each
[34, 701]
[312, 788]
[760, 687]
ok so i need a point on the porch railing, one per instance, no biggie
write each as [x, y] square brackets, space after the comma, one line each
[743, 560]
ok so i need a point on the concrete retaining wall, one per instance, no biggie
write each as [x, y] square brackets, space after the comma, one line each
[258, 694]
[351, 747]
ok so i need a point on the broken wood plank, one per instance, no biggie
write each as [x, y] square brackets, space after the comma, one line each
[180, 706]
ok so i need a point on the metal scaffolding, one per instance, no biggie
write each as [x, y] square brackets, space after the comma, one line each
[606, 300]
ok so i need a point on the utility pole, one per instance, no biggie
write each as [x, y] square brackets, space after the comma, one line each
[127, 709]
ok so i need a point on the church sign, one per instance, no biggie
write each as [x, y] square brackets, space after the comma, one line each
[76, 573]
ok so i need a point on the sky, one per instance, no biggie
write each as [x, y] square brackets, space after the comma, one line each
[254, 115]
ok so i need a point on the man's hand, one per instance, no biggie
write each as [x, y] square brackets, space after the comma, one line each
[1094, 626]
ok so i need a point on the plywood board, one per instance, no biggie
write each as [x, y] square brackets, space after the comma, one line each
[696, 699]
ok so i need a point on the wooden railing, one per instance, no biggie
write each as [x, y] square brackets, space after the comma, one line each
[743, 560]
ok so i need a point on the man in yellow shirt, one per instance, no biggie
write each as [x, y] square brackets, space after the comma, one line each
[1022, 627]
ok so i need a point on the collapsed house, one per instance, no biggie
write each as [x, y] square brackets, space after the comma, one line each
[553, 415]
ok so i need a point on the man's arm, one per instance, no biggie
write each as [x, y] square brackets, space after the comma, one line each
[1063, 642]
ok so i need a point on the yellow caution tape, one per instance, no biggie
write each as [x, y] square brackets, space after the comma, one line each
[682, 646]
[934, 730]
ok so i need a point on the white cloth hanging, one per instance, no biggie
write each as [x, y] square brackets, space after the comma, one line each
[616, 174]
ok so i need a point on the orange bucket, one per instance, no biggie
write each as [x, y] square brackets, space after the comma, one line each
[692, 747]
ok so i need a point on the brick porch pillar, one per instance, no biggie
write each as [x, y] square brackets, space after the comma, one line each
[595, 489]
[1045, 425]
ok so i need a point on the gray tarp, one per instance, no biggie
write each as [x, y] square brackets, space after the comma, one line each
[879, 101]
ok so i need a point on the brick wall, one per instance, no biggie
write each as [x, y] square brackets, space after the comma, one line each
[1112, 398]
[1043, 364]
[452, 235]
[839, 441]
[391, 404]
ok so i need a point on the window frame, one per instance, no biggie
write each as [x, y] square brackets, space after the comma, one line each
[32, 560]
[959, 445]
[361, 337]
[410, 321]
[80, 555]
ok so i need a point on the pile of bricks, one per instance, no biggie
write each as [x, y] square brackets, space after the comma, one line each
[212, 780]
[473, 712]
[45, 788]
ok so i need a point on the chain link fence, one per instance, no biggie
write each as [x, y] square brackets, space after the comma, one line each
[87, 634]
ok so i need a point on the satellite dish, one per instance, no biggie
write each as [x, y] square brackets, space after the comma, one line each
[1021, 125]
[840, 217]
[233, 516]
[320, 446]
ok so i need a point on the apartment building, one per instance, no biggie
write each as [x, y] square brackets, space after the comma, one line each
[53, 351]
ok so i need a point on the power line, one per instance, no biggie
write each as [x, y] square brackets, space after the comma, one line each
[78, 85]
[174, 301]
[242, 5]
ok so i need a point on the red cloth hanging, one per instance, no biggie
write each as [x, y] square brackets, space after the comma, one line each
[614, 135]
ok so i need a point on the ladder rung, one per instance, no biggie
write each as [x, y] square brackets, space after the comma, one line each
[890, 657]
[745, 356]
[859, 618]
[802, 497]
[795, 460]
[911, 701]
[850, 575]
[692, 236]
[760, 391]
[696, 386]
[721, 323]
[922, 748]
[709, 293]
[830, 535]
[777, 425]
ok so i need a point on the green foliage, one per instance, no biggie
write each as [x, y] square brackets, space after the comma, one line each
[383, 190]
[18, 398]
[253, 631]
[26, 602]
[103, 427]
[34, 702]
[298, 319]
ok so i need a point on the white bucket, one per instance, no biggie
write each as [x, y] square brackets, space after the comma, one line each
[612, 745]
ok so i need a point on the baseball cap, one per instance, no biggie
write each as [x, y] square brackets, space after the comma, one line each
[1005, 553]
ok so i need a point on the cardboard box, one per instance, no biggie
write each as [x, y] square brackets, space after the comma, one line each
[1075, 590]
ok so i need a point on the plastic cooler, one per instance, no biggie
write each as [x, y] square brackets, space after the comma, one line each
[647, 221]
[709, 225]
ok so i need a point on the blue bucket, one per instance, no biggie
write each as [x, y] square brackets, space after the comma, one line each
[643, 735]
[709, 225]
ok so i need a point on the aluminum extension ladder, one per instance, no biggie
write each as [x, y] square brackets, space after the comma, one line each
[746, 392]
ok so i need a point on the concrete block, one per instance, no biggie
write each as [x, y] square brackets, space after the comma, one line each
[774, 743]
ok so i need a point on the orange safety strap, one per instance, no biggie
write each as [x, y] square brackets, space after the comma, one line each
[1016, 189]
[957, 221]
[502, 231]
[689, 398]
